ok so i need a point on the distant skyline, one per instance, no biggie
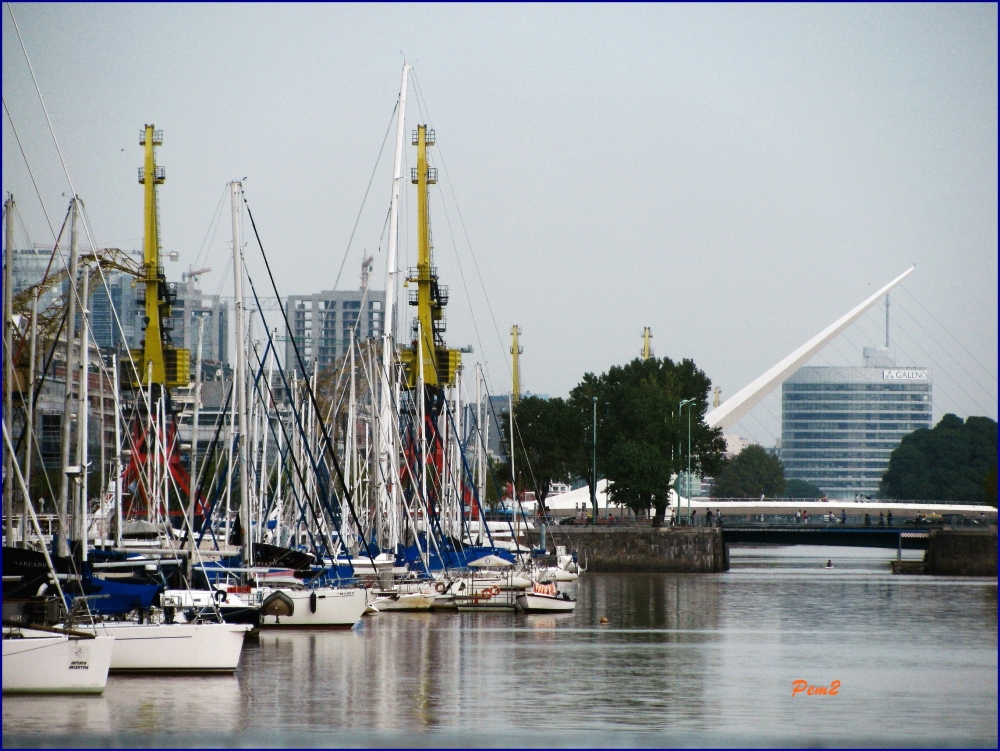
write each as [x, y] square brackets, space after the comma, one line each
[735, 177]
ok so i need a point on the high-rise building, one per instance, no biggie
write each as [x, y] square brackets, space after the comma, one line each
[840, 424]
[182, 326]
[322, 323]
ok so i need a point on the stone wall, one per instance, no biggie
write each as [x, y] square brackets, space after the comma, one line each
[644, 549]
[961, 553]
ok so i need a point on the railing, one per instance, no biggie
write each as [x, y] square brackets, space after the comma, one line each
[832, 501]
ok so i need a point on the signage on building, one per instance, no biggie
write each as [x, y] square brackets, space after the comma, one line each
[904, 375]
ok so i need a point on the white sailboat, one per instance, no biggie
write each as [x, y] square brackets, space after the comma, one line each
[42, 662]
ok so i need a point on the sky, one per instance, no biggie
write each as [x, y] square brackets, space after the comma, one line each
[735, 177]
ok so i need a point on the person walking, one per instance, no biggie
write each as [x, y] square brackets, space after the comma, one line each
[694, 519]
[805, 516]
[881, 519]
[889, 517]
[708, 518]
[843, 516]
[797, 516]
[868, 520]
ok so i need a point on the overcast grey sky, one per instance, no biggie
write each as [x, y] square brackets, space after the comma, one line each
[735, 177]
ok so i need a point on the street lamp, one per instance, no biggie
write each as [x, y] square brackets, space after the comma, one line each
[687, 403]
[593, 488]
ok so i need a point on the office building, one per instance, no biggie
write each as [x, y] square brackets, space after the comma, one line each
[840, 424]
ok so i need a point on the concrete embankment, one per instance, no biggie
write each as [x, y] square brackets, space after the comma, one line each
[961, 553]
[670, 550]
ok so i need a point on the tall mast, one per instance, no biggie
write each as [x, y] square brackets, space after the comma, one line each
[196, 409]
[388, 472]
[83, 410]
[239, 375]
[8, 372]
[67, 420]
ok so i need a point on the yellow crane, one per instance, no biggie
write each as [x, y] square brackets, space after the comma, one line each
[647, 349]
[157, 361]
[516, 350]
[428, 349]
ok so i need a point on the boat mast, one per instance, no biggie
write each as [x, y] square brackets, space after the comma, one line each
[67, 420]
[8, 377]
[83, 410]
[388, 472]
[196, 409]
[239, 375]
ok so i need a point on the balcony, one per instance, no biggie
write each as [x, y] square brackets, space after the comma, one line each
[157, 137]
[159, 175]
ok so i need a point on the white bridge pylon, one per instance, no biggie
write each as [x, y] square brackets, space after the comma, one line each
[740, 403]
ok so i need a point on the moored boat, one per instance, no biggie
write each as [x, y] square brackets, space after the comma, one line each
[43, 662]
[545, 598]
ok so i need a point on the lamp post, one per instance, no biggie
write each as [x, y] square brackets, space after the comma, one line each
[687, 403]
[593, 488]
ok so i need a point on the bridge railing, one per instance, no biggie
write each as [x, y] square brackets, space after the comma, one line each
[831, 501]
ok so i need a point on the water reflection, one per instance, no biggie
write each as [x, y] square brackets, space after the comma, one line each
[681, 658]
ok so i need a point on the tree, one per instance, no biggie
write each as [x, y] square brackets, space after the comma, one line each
[950, 462]
[750, 473]
[544, 449]
[641, 432]
[802, 489]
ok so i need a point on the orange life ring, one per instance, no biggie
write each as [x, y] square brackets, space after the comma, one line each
[496, 590]
[440, 588]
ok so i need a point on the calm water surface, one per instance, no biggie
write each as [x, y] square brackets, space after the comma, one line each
[683, 660]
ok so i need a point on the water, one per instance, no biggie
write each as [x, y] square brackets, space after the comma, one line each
[683, 660]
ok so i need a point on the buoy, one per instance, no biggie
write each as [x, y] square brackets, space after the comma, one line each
[603, 619]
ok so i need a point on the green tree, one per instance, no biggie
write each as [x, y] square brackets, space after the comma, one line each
[801, 489]
[544, 449]
[641, 432]
[750, 473]
[950, 462]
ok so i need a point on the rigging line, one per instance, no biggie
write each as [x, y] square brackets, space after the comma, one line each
[30, 173]
[964, 370]
[213, 223]
[957, 340]
[941, 371]
[461, 273]
[465, 229]
[371, 179]
[309, 389]
[42, 101]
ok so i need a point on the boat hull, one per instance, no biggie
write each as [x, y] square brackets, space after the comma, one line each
[332, 608]
[403, 601]
[175, 647]
[536, 603]
[49, 664]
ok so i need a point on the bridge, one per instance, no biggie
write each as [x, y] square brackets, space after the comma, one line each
[909, 537]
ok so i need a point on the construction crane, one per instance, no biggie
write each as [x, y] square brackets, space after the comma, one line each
[193, 275]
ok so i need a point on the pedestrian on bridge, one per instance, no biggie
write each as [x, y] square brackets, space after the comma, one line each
[868, 520]
[881, 519]
[805, 516]
[843, 516]
[708, 518]
[797, 516]
[890, 518]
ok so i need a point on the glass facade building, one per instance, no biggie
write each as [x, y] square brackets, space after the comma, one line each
[839, 424]
[322, 324]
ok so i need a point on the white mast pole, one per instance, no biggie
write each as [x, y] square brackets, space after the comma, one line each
[118, 455]
[83, 439]
[239, 375]
[193, 491]
[388, 472]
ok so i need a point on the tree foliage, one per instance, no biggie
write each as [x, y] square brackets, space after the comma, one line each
[750, 473]
[953, 461]
[641, 432]
[545, 448]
